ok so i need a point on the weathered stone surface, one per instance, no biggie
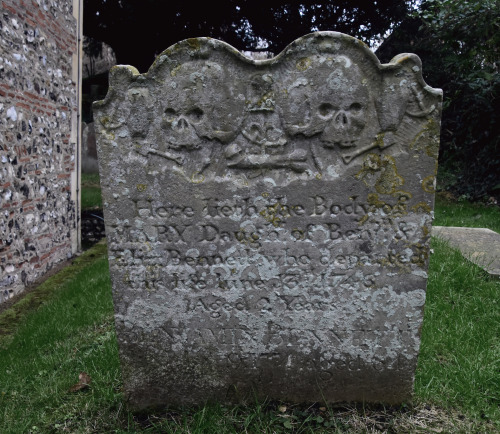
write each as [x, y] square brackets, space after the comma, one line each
[268, 222]
[479, 245]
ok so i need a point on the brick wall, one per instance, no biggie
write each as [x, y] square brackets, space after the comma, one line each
[39, 152]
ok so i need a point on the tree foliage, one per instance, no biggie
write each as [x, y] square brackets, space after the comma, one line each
[459, 43]
[138, 30]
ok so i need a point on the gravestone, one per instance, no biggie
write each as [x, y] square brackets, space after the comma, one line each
[268, 222]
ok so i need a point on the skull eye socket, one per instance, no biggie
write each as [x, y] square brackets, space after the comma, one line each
[169, 114]
[254, 129]
[326, 110]
[355, 108]
[195, 114]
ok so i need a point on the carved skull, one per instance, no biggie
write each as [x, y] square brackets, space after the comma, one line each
[198, 106]
[330, 100]
[180, 124]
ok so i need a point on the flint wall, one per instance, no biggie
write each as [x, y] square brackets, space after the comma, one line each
[39, 157]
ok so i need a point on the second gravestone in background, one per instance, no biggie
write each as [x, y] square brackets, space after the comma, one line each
[269, 222]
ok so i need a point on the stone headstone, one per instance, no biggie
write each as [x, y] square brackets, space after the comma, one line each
[89, 151]
[98, 58]
[268, 222]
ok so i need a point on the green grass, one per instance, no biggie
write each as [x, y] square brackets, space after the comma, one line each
[91, 191]
[65, 327]
[466, 214]
[72, 331]
[459, 363]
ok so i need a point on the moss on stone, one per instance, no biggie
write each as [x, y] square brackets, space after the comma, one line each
[194, 43]
[422, 207]
[389, 179]
[303, 64]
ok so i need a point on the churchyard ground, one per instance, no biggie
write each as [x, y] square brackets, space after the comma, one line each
[65, 327]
